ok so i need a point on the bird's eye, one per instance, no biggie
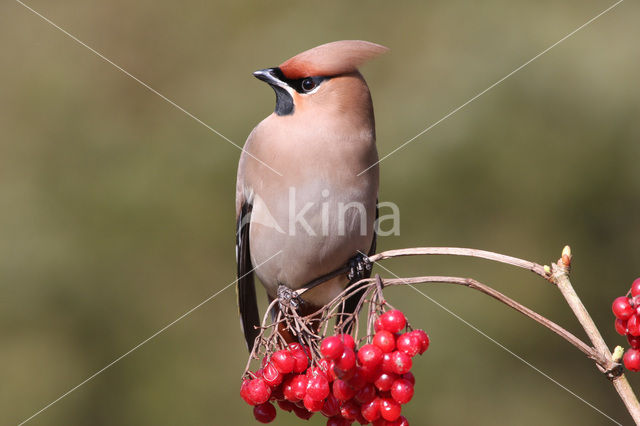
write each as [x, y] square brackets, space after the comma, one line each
[308, 84]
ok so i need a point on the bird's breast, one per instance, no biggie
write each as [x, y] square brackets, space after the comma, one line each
[316, 226]
[317, 213]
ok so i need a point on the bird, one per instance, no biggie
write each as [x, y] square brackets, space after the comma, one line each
[303, 209]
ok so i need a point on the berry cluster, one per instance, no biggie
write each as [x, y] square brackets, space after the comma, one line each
[368, 384]
[627, 312]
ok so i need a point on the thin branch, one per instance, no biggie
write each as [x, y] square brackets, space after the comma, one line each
[473, 284]
[613, 370]
[429, 251]
[459, 251]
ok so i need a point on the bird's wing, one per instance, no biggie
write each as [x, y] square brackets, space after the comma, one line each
[247, 303]
[374, 242]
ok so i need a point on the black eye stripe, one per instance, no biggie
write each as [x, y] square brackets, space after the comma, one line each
[296, 84]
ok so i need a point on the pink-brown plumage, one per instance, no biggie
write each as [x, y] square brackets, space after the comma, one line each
[331, 59]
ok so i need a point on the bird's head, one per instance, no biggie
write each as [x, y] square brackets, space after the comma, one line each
[322, 77]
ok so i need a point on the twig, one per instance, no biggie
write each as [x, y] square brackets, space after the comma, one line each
[483, 288]
[459, 251]
[427, 251]
[560, 275]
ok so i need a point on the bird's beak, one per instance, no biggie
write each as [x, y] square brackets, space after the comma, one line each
[269, 76]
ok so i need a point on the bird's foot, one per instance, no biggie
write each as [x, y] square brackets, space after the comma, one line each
[358, 267]
[288, 297]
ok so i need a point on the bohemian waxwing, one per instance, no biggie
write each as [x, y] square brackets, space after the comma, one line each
[302, 209]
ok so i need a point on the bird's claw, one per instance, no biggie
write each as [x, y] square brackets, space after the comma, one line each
[288, 297]
[358, 266]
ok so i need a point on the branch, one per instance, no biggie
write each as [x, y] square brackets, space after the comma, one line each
[458, 251]
[558, 274]
[540, 270]
[473, 284]
[613, 370]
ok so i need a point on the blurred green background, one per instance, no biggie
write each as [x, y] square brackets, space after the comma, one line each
[117, 210]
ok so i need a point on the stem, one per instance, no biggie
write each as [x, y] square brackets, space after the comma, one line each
[422, 251]
[627, 395]
[473, 284]
[459, 251]
[560, 276]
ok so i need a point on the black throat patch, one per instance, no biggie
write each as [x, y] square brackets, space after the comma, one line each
[284, 101]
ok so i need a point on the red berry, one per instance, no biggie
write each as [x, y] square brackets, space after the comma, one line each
[337, 421]
[402, 391]
[347, 360]
[393, 321]
[287, 391]
[350, 410]
[271, 375]
[635, 287]
[286, 405]
[387, 363]
[384, 381]
[323, 366]
[621, 326]
[244, 392]
[424, 340]
[312, 404]
[318, 388]
[316, 371]
[634, 341]
[302, 412]
[331, 372]
[297, 346]
[331, 406]
[389, 409]
[332, 347]
[409, 343]
[344, 374]
[301, 362]
[360, 419]
[277, 394]
[400, 362]
[410, 377]
[370, 355]
[264, 413]
[342, 391]
[633, 325]
[377, 326]
[299, 386]
[295, 388]
[347, 339]
[400, 421]
[622, 308]
[369, 374]
[371, 410]
[283, 361]
[357, 380]
[258, 391]
[366, 394]
[632, 359]
[384, 340]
